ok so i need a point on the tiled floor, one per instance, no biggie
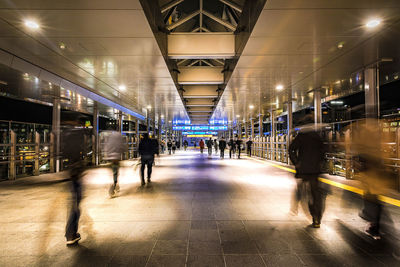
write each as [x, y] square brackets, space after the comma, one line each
[199, 211]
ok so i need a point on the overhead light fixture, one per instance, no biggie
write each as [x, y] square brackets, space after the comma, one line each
[149, 107]
[279, 87]
[62, 46]
[373, 23]
[340, 45]
[237, 116]
[32, 24]
[251, 106]
[122, 87]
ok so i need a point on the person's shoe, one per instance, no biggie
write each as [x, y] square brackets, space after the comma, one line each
[116, 188]
[143, 183]
[73, 240]
[316, 223]
[372, 233]
[148, 180]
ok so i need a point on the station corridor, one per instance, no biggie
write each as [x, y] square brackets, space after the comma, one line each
[198, 211]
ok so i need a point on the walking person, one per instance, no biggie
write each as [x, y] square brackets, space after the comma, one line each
[114, 147]
[222, 146]
[249, 144]
[232, 147]
[201, 144]
[216, 146]
[238, 144]
[146, 151]
[73, 148]
[173, 146]
[307, 152]
[169, 145]
[185, 144]
[210, 146]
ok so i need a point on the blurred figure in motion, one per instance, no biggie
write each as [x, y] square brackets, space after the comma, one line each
[114, 147]
[216, 146]
[169, 145]
[201, 144]
[185, 144]
[210, 146]
[249, 144]
[307, 153]
[173, 146]
[162, 145]
[222, 146]
[376, 180]
[238, 144]
[232, 147]
[146, 152]
[74, 148]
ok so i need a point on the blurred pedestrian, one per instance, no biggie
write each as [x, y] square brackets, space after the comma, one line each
[114, 147]
[146, 150]
[169, 145]
[222, 146]
[185, 144]
[74, 149]
[201, 144]
[216, 146]
[249, 145]
[232, 147]
[238, 144]
[209, 146]
[307, 153]
[173, 146]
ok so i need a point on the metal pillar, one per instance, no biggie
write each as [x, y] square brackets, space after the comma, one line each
[272, 135]
[95, 135]
[13, 141]
[252, 128]
[120, 122]
[371, 93]
[289, 128]
[260, 126]
[159, 132]
[148, 121]
[55, 167]
[317, 107]
[37, 151]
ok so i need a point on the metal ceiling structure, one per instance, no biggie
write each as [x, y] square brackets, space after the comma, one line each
[307, 45]
[202, 41]
[106, 47]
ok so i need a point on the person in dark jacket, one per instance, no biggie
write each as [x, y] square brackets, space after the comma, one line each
[232, 147]
[222, 146]
[307, 153]
[216, 146]
[146, 151]
[185, 144]
[249, 144]
[74, 149]
[209, 146]
[169, 145]
[238, 144]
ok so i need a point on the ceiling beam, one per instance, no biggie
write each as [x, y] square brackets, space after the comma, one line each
[183, 20]
[171, 5]
[232, 5]
[219, 20]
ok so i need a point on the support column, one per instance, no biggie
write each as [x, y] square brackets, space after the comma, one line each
[371, 93]
[120, 123]
[289, 128]
[159, 132]
[137, 138]
[55, 128]
[148, 121]
[95, 134]
[37, 151]
[13, 148]
[317, 107]
[252, 128]
[260, 126]
[272, 135]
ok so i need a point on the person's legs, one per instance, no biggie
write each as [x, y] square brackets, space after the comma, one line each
[71, 229]
[372, 213]
[149, 169]
[143, 165]
[296, 197]
[316, 205]
[239, 153]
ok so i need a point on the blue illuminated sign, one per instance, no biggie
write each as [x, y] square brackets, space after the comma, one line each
[200, 128]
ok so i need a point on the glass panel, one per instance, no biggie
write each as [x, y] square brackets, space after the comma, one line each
[24, 132]
[4, 132]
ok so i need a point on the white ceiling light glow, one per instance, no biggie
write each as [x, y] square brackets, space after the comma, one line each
[122, 87]
[31, 24]
[279, 87]
[251, 106]
[373, 23]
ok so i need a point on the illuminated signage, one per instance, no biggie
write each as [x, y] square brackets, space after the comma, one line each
[200, 128]
[200, 135]
[207, 133]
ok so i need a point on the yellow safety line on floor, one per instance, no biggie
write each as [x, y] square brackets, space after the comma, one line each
[388, 200]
